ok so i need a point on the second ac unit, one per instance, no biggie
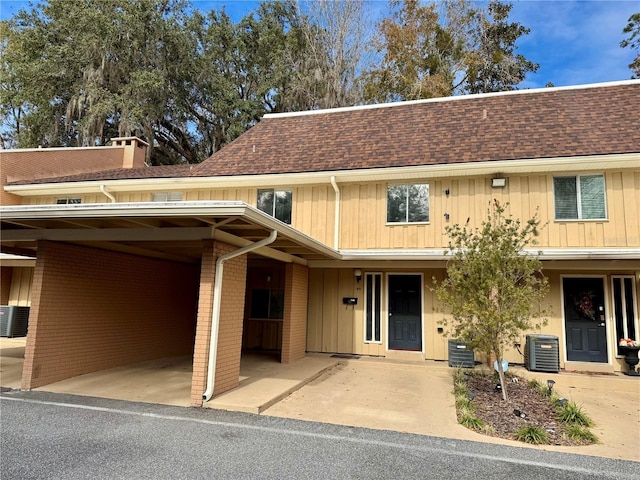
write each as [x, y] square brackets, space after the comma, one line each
[541, 353]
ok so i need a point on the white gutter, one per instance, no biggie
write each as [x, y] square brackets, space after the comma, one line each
[107, 194]
[541, 253]
[217, 299]
[336, 221]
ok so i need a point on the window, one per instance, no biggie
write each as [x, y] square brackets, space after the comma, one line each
[267, 303]
[166, 197]
[276, 203]
[67, 201]
[408, 203]
[372, 307]
[579, 197]
[624, 308]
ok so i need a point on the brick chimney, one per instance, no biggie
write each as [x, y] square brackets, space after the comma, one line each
[135, 151]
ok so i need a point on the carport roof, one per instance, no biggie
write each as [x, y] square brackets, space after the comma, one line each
[171, 230]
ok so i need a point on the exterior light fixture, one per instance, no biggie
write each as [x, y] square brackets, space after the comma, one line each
[358, 274]
[498, 182]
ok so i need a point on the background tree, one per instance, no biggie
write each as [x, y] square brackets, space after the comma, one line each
[493, 289]
[337, 38]
[494, 66]
[241, 71]
[93, 69]
[446, 48]
[633, 42]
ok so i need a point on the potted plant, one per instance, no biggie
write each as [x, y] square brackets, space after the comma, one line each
[630, 349]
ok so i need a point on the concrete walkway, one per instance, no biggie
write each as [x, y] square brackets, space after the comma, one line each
[378, 393]
[417, 398]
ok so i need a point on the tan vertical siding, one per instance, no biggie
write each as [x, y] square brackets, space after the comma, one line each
[21, 281]
[364, 218]
[5, 285]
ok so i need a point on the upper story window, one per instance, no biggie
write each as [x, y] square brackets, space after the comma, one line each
[276, 203]
[67, 201]
[408, 203]
[166, 197]
[580, 197]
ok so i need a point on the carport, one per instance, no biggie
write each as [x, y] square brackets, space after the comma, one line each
[123, 283]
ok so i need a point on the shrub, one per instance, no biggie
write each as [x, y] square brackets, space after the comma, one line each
[464, 403]
[532, 434]
[581, 434]
[572, 414]
[469, 421]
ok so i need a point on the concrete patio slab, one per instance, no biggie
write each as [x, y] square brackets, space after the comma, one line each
[11, 361]
[265, 381]
[165, 381]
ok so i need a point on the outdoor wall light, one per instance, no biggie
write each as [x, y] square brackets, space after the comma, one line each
[447, 216]
[358, 274]
[498, 182]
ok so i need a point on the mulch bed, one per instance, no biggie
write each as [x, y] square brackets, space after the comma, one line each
[534, 408]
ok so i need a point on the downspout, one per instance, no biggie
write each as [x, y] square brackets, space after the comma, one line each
[217, 300]
[336, 220]
[111, 197]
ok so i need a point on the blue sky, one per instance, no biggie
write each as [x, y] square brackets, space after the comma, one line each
[575, 42]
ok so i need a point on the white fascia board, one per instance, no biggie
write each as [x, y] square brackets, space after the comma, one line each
[586, 253]
[597, 163]
[137, 209]
[543, 254]
[364, 255]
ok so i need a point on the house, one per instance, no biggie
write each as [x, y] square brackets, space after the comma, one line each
[321, 231]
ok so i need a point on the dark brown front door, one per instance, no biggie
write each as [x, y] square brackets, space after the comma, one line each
[584, 317]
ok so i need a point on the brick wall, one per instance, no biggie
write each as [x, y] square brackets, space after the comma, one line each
[33, 163]
[93, 309]
[227, 375]
[294, 328]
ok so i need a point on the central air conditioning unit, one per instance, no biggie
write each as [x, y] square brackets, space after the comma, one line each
[541, 353]
[14, 321]
[460, 356]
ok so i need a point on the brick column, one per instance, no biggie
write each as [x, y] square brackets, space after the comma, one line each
[227, 374]
[203, 323]
[294, 327]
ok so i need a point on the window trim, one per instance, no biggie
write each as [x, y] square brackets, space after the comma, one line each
[273, 209]
[379, 300]
[407, 222]
[68, 200]
[625, 334]
[168, 195]
[579, 197]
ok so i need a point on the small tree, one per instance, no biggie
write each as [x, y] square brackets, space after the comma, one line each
[493, 287]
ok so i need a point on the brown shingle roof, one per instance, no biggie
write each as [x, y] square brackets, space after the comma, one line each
[547, 123]
[162, 171]
[589, 120]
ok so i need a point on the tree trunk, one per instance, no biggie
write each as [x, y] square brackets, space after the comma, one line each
[503, 385]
